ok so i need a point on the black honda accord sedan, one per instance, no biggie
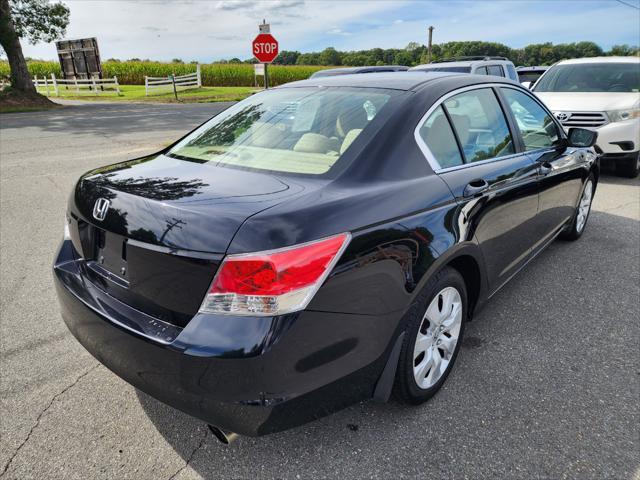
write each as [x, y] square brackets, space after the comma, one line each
[317, 244]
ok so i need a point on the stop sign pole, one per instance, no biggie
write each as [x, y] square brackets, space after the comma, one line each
[265, 49]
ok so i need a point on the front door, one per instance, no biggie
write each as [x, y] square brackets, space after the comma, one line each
[561, 170]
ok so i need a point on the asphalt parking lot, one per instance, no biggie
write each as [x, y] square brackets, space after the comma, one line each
[547, 384]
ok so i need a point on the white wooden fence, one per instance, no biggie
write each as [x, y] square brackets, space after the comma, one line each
[166, 83]
[92, 86]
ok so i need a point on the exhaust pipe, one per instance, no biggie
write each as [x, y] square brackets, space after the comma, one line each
[223, 435]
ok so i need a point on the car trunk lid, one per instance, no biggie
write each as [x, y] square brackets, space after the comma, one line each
[166, 228]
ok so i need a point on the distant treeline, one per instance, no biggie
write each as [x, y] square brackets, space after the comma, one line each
[415, 54]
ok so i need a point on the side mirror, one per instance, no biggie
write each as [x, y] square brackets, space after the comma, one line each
[581, 137]
[526, 84]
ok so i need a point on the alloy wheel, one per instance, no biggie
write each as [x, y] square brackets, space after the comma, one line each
[437, 337]
[584, 206]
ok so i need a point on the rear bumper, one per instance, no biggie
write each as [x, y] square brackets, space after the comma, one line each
[252, 376]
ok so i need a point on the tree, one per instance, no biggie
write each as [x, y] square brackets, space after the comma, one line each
[287, 57]
[35, 20]
[623, 50]
[412, 46]
[330, 56]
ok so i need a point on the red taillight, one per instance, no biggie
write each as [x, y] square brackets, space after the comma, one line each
[273, 283]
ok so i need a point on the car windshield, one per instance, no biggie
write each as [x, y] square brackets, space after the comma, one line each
[291, 130]
[591, 77]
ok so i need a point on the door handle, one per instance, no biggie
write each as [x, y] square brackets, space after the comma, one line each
[475, 187]
[545, 168]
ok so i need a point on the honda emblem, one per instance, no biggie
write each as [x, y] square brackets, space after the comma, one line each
[100, 208]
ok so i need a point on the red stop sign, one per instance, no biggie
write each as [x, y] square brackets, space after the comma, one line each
[265, 48]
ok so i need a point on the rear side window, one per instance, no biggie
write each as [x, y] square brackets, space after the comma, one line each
[437, 135]
[480, 125]
[495, 70]
[481, 71]
[537, 128]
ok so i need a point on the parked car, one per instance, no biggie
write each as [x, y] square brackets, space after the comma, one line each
[529, 75]
[602, 94]
[308, 248]
[330, 72]
[482, 65]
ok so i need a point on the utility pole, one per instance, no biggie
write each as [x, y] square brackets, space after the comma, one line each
[171, 224]
[429, 44]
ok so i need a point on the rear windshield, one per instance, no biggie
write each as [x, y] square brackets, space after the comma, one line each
[591, 77]
[529, 76]
[290, 130]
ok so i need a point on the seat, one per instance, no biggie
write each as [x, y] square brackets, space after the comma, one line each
[314, 143]
[351, 118]
[462, 125]
[265, 135]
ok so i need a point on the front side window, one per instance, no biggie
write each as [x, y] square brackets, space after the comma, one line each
[437, 135]
[591, 77]
[289, 130]
[537, 128]
[480, 125]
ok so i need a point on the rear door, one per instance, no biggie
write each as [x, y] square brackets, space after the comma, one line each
[469, 142]
[561, 170]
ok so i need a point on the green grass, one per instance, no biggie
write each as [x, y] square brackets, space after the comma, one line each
[136, 93]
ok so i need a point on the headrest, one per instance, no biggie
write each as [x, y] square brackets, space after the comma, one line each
[313, 143]
[351, 118]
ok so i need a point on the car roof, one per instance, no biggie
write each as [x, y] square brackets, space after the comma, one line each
[372, 68]
[391, 80]
[409, 81]
[630, 59]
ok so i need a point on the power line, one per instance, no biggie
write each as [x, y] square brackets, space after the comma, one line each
[628, 4]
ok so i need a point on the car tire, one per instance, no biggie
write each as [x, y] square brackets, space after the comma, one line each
[431, 325]
[629, 167]
[580, 217]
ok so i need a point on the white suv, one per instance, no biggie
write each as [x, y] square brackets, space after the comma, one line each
[602, 94]
[483, 65]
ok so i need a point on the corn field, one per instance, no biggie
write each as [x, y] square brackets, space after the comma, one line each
[213, 74]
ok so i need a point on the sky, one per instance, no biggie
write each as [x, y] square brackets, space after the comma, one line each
[208, 30]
